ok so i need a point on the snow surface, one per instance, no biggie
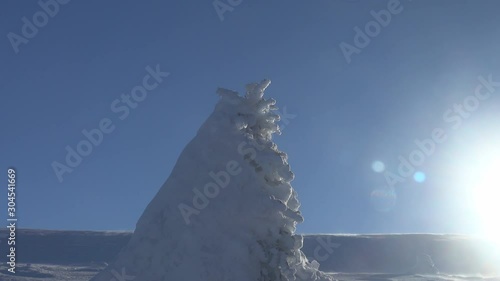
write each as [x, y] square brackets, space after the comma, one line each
[227, 211]
[48, 255]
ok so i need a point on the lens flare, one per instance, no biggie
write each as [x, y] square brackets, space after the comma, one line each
[378, 166]
[419, 177]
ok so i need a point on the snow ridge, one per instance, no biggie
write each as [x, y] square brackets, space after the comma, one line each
[228, 210]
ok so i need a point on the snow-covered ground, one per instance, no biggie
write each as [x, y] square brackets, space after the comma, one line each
[47, 255]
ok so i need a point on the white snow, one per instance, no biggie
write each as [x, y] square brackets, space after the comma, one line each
[48, 255]
[227, 211]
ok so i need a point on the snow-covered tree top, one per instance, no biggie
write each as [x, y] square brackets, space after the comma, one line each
[252, 113]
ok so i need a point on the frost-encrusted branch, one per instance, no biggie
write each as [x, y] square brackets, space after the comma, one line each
[252, 113]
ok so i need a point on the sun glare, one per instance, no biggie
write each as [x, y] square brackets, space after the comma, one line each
[487, 195]
[476, 178]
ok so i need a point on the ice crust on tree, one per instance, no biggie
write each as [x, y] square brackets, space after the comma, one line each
[243, 232]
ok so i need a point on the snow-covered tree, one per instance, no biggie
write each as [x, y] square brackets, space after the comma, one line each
[227, 212]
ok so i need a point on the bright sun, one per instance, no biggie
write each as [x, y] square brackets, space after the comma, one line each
[487, 194]
[475, 174]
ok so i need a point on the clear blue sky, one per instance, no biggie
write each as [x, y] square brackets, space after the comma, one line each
[348, 115]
